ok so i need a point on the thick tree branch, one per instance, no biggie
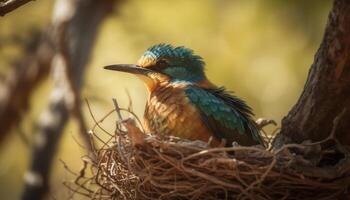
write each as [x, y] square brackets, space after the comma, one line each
[75, 25]
[7, 6]
[327, 89]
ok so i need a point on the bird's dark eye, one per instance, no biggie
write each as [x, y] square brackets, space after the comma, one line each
[162, 63]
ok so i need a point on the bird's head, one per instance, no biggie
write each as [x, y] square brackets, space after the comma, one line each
[164, 62]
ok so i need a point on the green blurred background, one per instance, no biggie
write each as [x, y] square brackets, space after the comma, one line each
[260, 49]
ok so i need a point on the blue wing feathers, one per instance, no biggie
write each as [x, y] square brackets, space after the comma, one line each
[222, 111]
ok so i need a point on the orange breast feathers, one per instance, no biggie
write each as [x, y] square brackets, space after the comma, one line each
[169, 112]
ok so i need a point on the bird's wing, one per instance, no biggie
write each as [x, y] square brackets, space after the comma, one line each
[225, 115]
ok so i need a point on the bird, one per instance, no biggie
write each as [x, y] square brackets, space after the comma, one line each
[182, 102]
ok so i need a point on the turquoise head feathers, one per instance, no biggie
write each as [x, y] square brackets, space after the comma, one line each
[179, 63]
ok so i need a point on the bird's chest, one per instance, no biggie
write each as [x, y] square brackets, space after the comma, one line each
[169, 112]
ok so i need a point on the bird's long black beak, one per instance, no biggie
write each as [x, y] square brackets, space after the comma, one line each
[130, 68]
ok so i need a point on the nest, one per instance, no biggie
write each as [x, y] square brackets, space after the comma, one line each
[133, 165]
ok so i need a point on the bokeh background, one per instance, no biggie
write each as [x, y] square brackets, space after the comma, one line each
[260, 49]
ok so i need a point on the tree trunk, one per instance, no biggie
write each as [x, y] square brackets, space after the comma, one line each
[74, 28]
[327, 90]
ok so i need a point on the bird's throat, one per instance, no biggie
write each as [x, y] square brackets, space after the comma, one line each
[149, 82]
[154, 80]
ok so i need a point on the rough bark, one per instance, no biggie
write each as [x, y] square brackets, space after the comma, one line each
[327, 90]
[75, 24]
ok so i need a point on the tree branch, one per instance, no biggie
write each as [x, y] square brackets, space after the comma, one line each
[75, 25]
[10, 5]
[22, 80]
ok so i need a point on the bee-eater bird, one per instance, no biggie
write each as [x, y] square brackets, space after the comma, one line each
[184, 103]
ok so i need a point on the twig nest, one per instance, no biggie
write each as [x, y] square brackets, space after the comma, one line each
[132, 165]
